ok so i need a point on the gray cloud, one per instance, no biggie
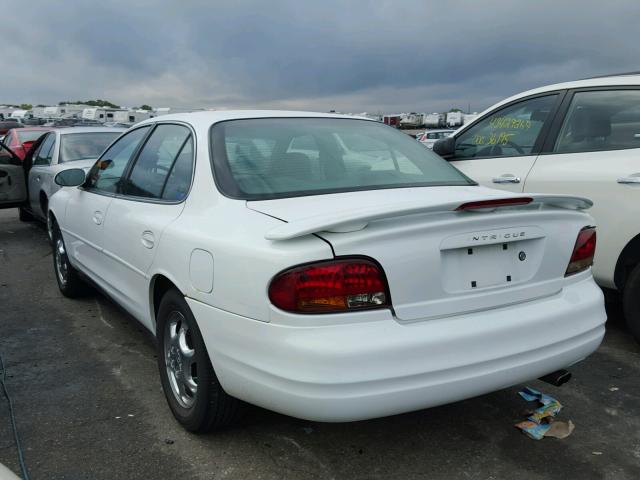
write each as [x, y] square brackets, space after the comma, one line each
[345, 55]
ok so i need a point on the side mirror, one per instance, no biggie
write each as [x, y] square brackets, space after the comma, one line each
[72, 177]
[445, 147]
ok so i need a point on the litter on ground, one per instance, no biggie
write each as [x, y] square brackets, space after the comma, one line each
[541, 422]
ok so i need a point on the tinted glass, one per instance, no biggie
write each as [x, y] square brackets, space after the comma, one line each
[105, 175]
[153, 165]
[281, 157]
[602, 120]
[6, 158]
[509, 132]
[45, 153]
[84, 146]
[179, 179]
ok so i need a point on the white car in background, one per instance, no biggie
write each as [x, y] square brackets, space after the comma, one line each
[430, 137]
[577, 138]
[319, 289]
[75, 147]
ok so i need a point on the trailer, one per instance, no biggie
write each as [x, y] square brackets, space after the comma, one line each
[392, 120]
[434, 120]
[412, 120]
[455, 119]
[469, 117]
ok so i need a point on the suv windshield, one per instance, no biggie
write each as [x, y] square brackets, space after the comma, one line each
[84, 146]
[261, 159]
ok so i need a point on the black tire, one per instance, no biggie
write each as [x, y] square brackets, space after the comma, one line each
[631, 302]
[24, 215]
[69, 281]
[210, 407]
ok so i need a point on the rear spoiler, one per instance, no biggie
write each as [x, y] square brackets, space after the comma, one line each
[357, 219]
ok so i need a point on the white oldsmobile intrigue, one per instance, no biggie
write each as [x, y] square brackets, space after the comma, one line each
[325, 267]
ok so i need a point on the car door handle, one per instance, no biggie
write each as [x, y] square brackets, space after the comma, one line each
[37, 179]
[631, 179]
[506, 178]
[98, 217]
[147, 239]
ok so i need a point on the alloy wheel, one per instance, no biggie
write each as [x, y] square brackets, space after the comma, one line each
[180, 360]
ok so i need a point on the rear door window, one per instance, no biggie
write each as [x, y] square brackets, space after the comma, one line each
[106, 173]
[155, 162]
[45, 153]
[509, 132]
[601, 120]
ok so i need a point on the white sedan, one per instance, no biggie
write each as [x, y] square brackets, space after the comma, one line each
[325, 267]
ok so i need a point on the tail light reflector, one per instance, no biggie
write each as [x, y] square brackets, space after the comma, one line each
[583, 251]
[331, 286]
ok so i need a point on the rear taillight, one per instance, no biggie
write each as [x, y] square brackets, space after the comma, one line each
[332, 286]
[583, 252]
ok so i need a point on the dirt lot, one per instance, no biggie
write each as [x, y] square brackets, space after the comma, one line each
[89, 405]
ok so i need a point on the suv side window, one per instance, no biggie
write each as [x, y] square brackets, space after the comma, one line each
[106, 173]
[45, 153]
[511, 131]
[155, 161]
[601, 120]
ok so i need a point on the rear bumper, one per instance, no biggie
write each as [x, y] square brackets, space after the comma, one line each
[381, 367]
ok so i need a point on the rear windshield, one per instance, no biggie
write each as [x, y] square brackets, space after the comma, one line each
[29, 135]
[84, 146]
[261, 159]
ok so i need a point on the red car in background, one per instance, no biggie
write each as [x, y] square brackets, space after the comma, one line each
[20, 140]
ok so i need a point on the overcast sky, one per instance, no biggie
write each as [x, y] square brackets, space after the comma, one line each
[351, 56]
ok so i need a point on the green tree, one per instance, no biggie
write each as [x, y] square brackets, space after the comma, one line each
[26, 106]
[145, 107]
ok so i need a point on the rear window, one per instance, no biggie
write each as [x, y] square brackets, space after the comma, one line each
[29, 136]
[261, 159]
[84, 146]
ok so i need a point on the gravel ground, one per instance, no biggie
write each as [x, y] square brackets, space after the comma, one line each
[89, 405]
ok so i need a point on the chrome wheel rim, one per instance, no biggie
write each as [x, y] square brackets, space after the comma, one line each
[180, 361]
[62, 268]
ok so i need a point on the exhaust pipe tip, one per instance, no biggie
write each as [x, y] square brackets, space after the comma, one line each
[557, 378]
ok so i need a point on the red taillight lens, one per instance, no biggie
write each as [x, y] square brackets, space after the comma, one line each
[583, 252]
[332, 286]
[499, 202]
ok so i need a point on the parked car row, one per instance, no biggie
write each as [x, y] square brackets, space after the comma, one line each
[322, 266]
[578, 138]
[330, 267]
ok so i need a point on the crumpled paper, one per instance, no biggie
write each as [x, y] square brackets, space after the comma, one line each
[541, 422]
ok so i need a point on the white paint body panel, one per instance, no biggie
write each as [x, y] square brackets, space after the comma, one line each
[437, 345]
[590, 174]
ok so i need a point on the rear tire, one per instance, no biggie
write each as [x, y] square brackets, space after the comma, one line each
[631, 302]
[190, 384]
[24, 215]
[68, 278]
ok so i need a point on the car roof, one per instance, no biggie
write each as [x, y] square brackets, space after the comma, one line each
[36, 129]
[620, 79]
[209, 117]
[67, 130]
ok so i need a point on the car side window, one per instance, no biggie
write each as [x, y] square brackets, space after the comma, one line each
[511, 131]
[179, 179]
[155, 161]
[45, 153]
[106, 173]
[601, 120]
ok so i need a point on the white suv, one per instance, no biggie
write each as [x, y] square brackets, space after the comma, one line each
[580, 138]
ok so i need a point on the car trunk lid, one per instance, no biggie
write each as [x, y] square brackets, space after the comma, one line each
[441, 261]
